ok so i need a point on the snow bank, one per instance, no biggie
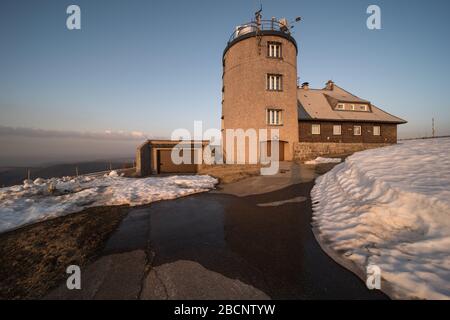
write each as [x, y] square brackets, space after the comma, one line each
[320, 160]
[41, 199]
[391, 207]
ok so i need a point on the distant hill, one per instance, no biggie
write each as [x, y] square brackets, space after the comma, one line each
[10, 176]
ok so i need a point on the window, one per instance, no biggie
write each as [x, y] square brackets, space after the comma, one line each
[363, 107]
[337, 130]
[356, 130]
[352, 107]
[274, 82]
[340, 106]
[274, 117]
[274, 49]
[376, 130]
[315, 129]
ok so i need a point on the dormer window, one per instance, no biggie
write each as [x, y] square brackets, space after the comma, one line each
[352, 107]
[274, 50]
[363, 107]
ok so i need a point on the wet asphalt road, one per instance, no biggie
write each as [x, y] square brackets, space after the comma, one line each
[269, 248]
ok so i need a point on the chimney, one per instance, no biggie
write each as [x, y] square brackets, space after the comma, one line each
[329, 85]
[305, 85]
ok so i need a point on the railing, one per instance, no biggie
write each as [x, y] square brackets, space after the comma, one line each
[253, 26]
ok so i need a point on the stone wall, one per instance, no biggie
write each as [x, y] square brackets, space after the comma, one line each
[311, 150]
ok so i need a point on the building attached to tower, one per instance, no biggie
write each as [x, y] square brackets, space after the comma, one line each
[260, 91]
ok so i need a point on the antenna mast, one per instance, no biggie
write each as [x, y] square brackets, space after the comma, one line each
[258, 17]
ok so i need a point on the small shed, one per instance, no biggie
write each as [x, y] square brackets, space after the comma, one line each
[155, 156]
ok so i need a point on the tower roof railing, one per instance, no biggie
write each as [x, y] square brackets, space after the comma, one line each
[263, 25]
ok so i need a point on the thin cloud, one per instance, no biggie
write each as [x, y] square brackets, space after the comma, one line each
[43, 133]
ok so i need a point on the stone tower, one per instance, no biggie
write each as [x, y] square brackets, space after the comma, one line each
[260, 82]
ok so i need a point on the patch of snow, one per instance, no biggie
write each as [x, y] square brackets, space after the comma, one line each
[391, 207]
[46, 198]
[113, 173]
[39, 181]
[320, 160]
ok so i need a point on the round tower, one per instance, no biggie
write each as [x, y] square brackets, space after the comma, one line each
[260, 83]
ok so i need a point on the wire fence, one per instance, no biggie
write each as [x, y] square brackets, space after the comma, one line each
[75, 170]
[427, 137]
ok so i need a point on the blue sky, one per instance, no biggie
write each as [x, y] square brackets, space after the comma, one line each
[154, 66]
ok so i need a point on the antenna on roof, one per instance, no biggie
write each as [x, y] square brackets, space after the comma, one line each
[260, 9]
[297, 19]
[258, 19]
[258, 15]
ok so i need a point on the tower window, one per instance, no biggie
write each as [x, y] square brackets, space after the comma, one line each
[274, 49]
[274, 117]
[274, 82]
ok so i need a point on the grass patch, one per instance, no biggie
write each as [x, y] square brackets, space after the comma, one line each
[33, 259]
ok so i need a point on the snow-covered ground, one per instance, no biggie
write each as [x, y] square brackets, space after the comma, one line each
[391, 207]
[42, 199]
[320, 160]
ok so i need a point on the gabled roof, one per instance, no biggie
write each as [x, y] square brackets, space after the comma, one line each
[319, 104]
